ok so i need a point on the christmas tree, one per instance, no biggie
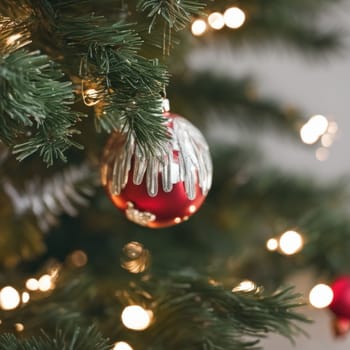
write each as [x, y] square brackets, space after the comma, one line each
[192, 260]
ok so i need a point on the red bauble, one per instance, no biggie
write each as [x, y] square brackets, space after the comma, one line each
[341, 305]
[163, 189]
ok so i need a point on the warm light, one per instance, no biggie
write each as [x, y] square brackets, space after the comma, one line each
[122, 345]
[32, 284]
[321, 296]
[308, 134]
[90, 97]
[13, 38]
[272, 244]
[19, 327]
[192, 208]
[245, 286]
[25, 297]
[234, 17]
[291, 242]
[79, 258]
[327, 140]
[216, 20]
[45, 283]
[322, 154]
[313, 129]
[136, 317]
[9, 298]
[198, 27]
[135, 257]
[177, 220]
[332, 127]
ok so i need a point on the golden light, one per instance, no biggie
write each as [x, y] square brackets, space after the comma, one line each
[79, 258]
[198, 27]
[177, 220]
[245, 286]
[216, 20]
[136, 258]
[136, 317]
[32, 284]
[234, 17]
[192, 208]
[322, 154]
[13, 38]
[321, 296]
[122, 345]
[291, 242]
[272, 244]
[45, 283]
[327, 140]
[9, 298]
[19, 327]
[25, 297]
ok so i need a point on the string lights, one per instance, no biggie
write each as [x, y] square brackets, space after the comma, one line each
[318, 127]
[289, 243]
[122, 345]
[232, 18]
[136, 317]
[321, 296]
[9, 298]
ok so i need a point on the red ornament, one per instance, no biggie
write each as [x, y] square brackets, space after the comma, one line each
[163, 189]
[341, 305]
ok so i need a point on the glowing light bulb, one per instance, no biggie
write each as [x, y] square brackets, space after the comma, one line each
[9, 298]
[216, 20]
[234, 17]
[245, 286]
[319, 123]
[198, 27]
[45, 283]
[13, 38]
[291, 242]
[122, 345]
[25, 297]
[32, 284]
[136, 317]
[272, 244]
[321, 296]
[322, 154]
[19, 327]
[308, 135]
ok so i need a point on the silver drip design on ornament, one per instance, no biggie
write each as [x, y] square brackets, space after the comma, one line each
[185, 157]
[142, 218]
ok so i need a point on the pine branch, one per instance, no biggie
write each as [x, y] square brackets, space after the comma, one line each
[177, 14]
[73, 339]
[34, 107]
[48, 199]
[130, 84]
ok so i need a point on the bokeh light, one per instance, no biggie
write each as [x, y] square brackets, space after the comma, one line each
[314, 129]
[25, 297]
[216, 20]
[135, 257]
[245, 286]
[19, 327]
[32, 284]
[45, 283]
[272, 244]
[291, 242]
[122, 345]
[198, 27]
[136, 317]
[321, 296]
[9, 298]
[78, 258]
[234, 17]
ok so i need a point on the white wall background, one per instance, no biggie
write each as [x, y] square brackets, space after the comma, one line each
[318, 87]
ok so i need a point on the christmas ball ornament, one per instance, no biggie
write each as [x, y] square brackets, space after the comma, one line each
[340, 305]
[161, 189]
